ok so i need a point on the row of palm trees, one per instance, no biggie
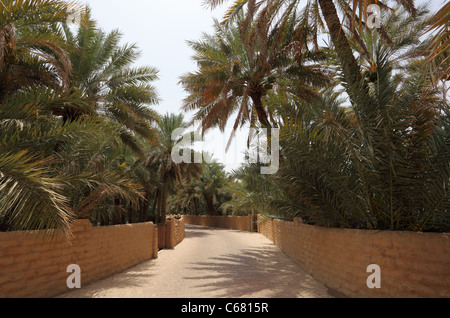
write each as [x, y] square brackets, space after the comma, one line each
[363, 118]
[207, 194]
[79, 137]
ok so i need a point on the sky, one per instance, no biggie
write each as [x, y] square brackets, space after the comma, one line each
[160, 28]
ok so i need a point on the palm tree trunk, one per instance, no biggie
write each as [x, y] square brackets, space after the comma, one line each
[144, 208]
[5, 222]
[118, 214]
[197, 212]
[260, 111]
[209, 203]
[132, 215]
[348, 62]
[162, 216]
[158, 208]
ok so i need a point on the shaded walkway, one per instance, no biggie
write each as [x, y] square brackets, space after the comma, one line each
[212, 263]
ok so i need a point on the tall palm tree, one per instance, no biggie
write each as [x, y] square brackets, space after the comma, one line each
[102, 71]
[204, 194]
[33, 65]
[187, 199]
[354, 13]
[240, 64]
[255, 193]
[170, 174]
[104, 187]
[41, 188]
[386, 169]
[33, 181]
[405, 40]
[52, 170]
[380, 163]
[211, 186]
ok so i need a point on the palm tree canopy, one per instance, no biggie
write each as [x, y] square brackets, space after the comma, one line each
[102, 71]
[170, 174]
[238, 68]
[32, 45]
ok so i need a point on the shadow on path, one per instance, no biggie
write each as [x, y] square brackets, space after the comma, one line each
[196, 231]
[260, 272]
[136, 277]
[212, 264]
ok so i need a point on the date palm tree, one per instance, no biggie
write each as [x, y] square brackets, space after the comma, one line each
[205, 193]
[255, 193]
[170, 174]
[241, 63]
[321, 13]
[52, 170]
[405, 40]
[382, 167]
[32, 45]
[211, 186]
[40, 188]
[33, 66]
[187, 199]
[378, 162]
[102, 71]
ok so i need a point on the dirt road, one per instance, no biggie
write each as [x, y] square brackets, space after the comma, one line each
[211, 263]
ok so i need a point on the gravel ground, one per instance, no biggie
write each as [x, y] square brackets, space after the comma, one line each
[212, 263]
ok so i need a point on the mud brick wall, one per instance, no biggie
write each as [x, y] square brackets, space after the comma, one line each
[33, 267]
[412, 264]
[241, 223]
[174, 231]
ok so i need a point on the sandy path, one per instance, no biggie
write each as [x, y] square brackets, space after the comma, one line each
[212, 263]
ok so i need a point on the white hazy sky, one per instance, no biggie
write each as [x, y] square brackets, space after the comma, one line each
[160, 28]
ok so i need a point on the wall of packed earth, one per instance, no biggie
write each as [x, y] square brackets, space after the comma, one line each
[31, 266]
[407, 264]
[241, 223]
